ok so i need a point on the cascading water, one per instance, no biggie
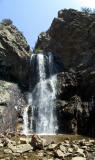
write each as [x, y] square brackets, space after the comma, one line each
[25, 119]
[42, 98]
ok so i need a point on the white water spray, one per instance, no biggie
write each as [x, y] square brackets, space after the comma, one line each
[25, 120]
[42, 98]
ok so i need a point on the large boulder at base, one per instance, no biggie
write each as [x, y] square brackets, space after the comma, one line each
[37, 142]
[75, 116]
[11, 99]
[14, 53]
[21, 148]
[59, 154]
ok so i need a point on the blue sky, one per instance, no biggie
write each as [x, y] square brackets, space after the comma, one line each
[34, 16]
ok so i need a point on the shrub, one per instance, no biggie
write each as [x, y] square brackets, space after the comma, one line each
[88, 10]
[7, 22]
[38, 50]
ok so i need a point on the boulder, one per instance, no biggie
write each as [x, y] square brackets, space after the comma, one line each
[37, 142]
[80, 152]
[20, 148]
[73, 116]
[58, 153]
[7, 151]
[70, 150]
[62, 148]
[52, 146]
[92, 141]
[40, 153]
[1, 145]
[25, 140]
[16, 154]
[10, 98]
[75, 147]
[10, 142]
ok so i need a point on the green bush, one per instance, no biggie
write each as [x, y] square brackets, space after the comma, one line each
[38, 50]
[88, 10]
[7, 22]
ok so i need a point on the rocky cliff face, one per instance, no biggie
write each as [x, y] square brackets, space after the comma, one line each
[14, 53]
[71, 37]
[11, 102]
[14, 68]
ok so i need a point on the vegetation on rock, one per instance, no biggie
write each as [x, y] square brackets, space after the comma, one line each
[6, 22]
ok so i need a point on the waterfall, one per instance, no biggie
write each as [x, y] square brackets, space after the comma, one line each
[25, 119]
[42, 97]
